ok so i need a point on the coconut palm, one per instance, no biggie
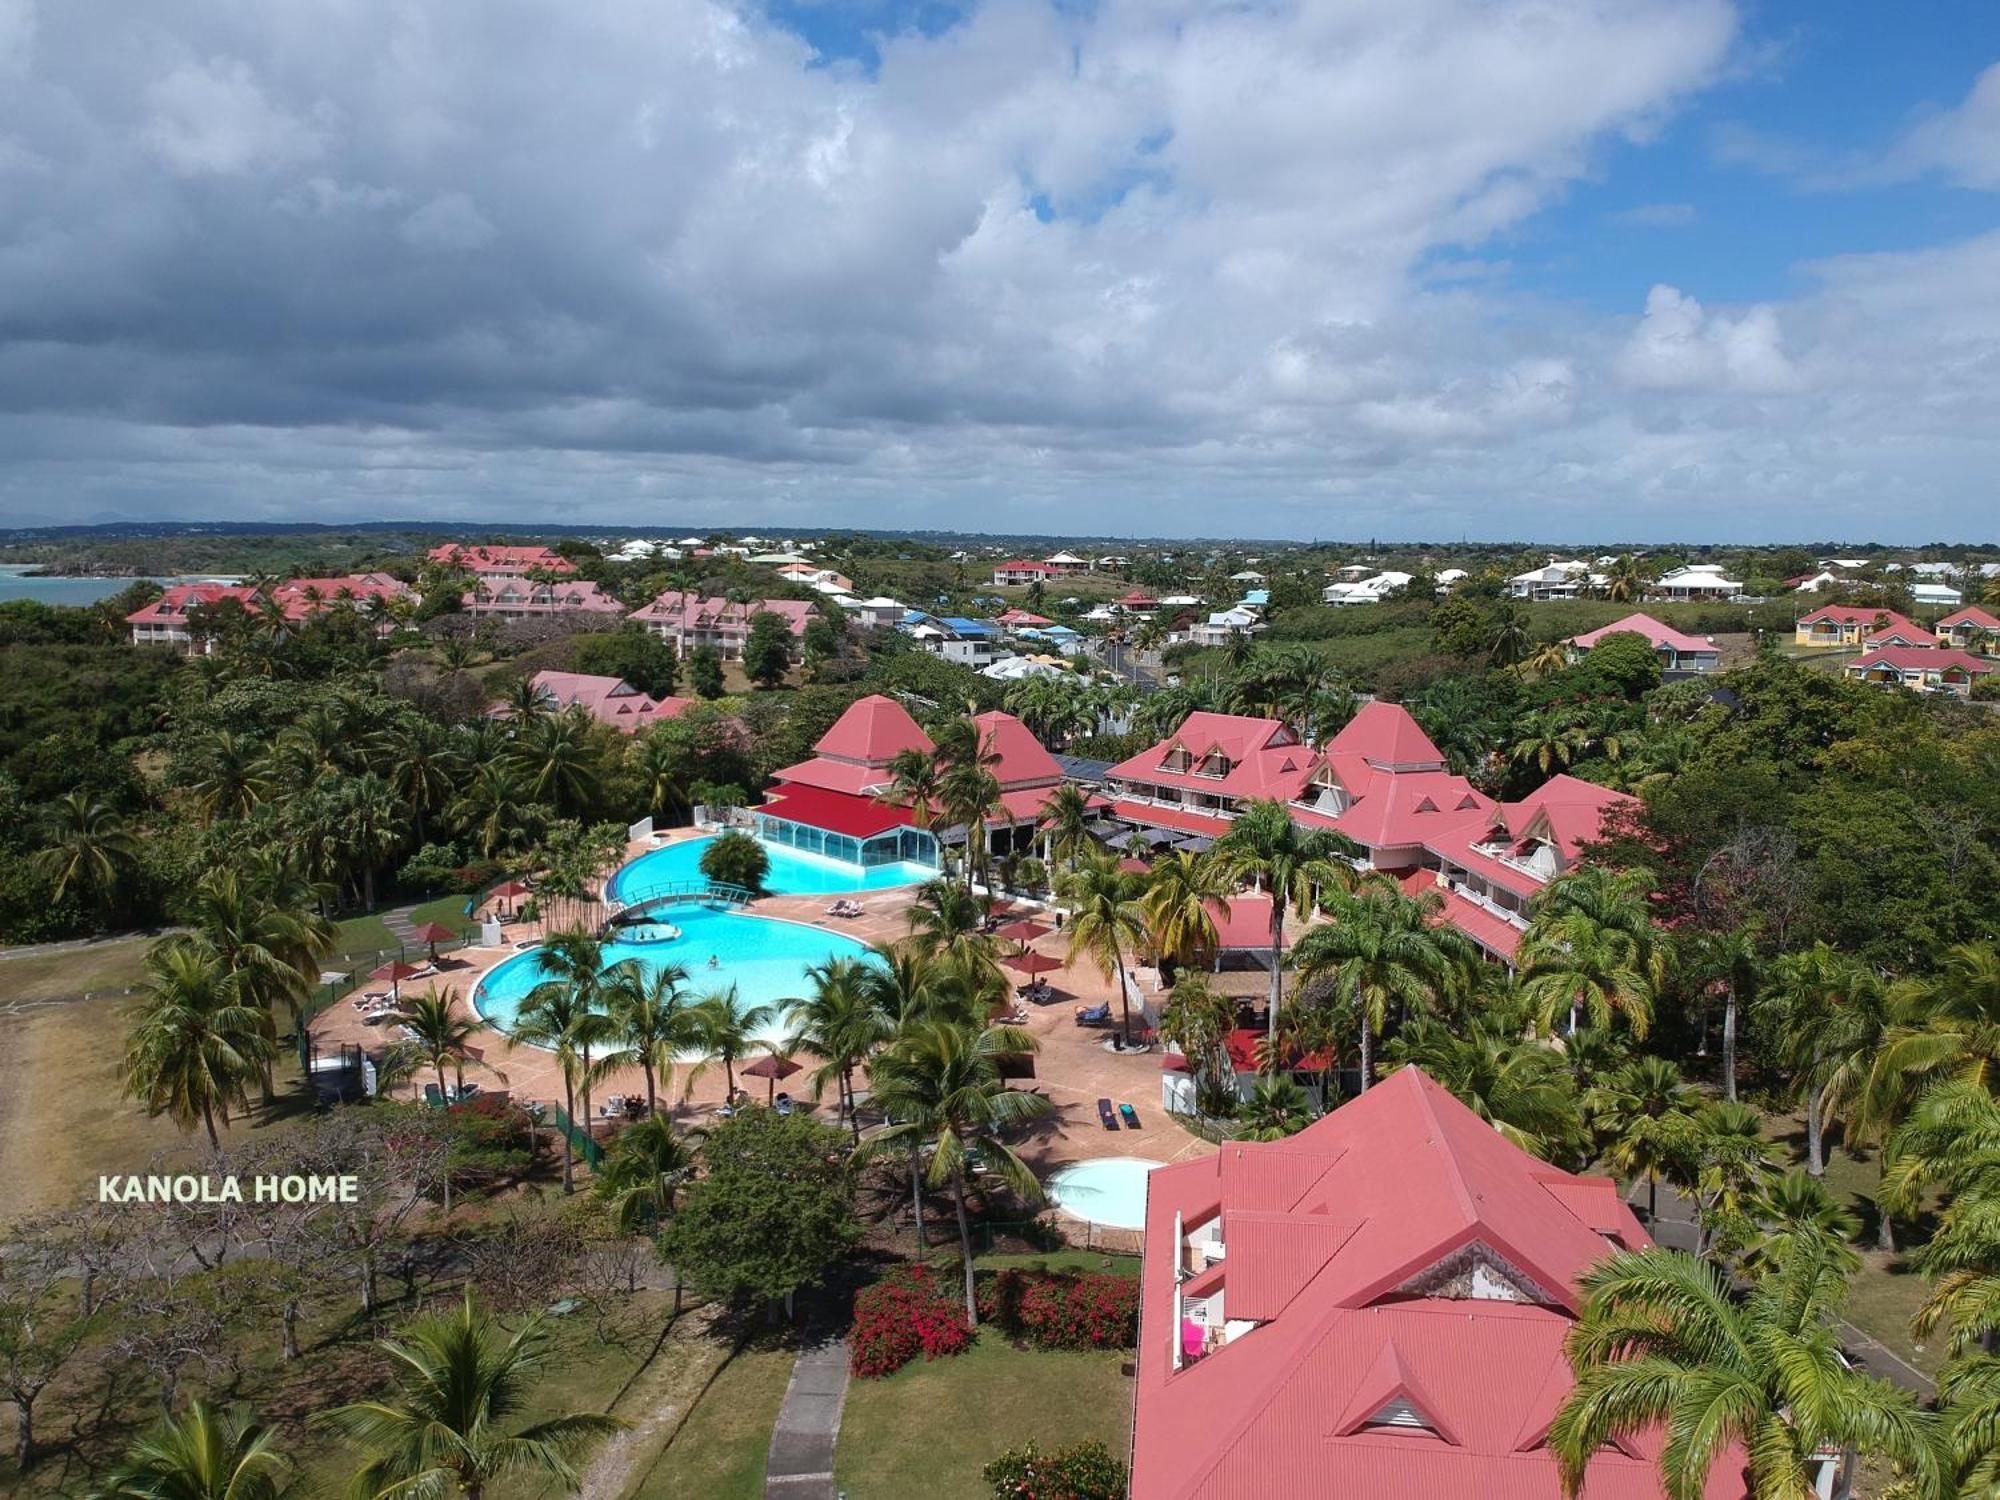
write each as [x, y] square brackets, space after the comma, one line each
[1626, 579]
[1951, 1143]
[420, 760]
[838, 1021]
[1946, 1024]
[573, 960]
[1276, 1108]
[85, 847]
[652, 1021]
[1383, 949]
[1515, 1084]
[263, 926]
[1295, 868]
[728, 1031]
[1066, 823]
[659, 762]
[908, 982]
[1663, 1342]
[205, 1455]
[1507, 636]
[969, 794]
[554, 1017]
[1826, 1011]
[457, 1378]
[558, 761]
[1790, 1206]
[1106, 922]
[1183, 893]
[644, 1172]
[1644, 1115]
[232, 776]
[1730, 963]
[1573, 961]
[495, 807]
[436, 1032]
[194, 1042]
[915, 778]
[940, 1086]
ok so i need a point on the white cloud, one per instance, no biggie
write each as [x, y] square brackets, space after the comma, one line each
[1963, 143]
[1679, 346]
[213, 117]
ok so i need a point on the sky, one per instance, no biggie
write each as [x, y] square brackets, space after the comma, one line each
[1625, 270]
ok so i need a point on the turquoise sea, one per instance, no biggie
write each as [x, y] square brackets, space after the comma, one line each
[71, 591]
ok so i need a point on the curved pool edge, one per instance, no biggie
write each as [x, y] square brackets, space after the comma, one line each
[1050, 1190]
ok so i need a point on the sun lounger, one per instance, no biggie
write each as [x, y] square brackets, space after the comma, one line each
[1106, 1114]
[1096, 1015]
[1129, 1115]
[432, 1097]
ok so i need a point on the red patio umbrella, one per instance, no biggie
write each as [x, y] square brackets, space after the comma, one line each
[511, 890]
[395, 972]
[1023, 931]
[433, 933]
[1033, 963]
[771, 1068]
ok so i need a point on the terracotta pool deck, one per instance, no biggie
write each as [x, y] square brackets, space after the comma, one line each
[1073, 1067]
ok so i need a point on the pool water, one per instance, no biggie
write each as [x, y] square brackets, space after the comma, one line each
[793, 872]
[766, 959]
[1110, 1191]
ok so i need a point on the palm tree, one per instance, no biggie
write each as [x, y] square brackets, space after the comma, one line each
[1276, 1108]
[1946, 1024]
[1507, 636]
[643, 1173]
[458, 1377]
[1546, 741]
[495, 807]
[1644, 1115]
[1589, 952]
[1789, 1207]
[1729, 962]
[1293, 867]
[970, 795]
[727, 1033]
[194, 1042]
[839, 1023]
[1826, 1011]
[1515, 1084]
[205, 1455]
[910, 981]
[524, 703]
[1197, 1018]
[1106, 922]
[233, 776]
[1382, 949]
[940, 1086]
[652, 1022]
[85, 847]
[558, 761]
[914, 783]
[1066, 823]
[660, 764]
[1182, 894]
[1662, 1341]
[553, 1018]
[262, 925]
[421, 762]
[1951, 1142]
[437, 1033]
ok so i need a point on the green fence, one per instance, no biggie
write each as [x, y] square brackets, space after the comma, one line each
[586, 1147]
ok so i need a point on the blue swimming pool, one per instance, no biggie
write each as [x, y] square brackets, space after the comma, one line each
[763, 957]
[1109, 1191]
[793, 872]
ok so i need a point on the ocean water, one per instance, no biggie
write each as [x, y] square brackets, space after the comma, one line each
[68, 591]
[764, 958]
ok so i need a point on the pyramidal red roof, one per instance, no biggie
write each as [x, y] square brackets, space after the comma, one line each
[1386, 736]
[1024, 760]
[874, 730]
[1408, 1277]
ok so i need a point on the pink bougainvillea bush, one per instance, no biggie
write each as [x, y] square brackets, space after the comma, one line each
[905, 1314]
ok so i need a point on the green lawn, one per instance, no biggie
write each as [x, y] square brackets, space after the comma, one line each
[114, 964]
[1058, 1260]
[719, 1450]
[930, 1428]
[366, 935]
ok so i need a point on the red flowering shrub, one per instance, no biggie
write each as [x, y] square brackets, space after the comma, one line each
[903, 1315]
[1056, 1311]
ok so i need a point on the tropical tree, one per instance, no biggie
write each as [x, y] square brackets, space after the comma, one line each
[1727, 962]
[1945, 1025]
[1662, 1341]
[1065, 822]
[231, 777]
[915, 782]
[262, 924]
[1107, 922]
[1826, 1011]
[652, 1021]
[436, 1031]
[421, 762]
[1951, 1143]
[495, 808]
[728, 1030]
[1789, 1207]
[1384, 948]
[839, 1023]
[1507, 636]
[1577, 960]
[1295, 868]
[940, 1086]
[86, 848]
[1183, 893]
[1512, 1082]
[558, 760]
[735, 858]
[458, 1378]
[643, 1172]
[1198, 1018]
[1644, 1115]
[194, 1042]
[557, 1017]
[205, 1455]
[1276, 1108]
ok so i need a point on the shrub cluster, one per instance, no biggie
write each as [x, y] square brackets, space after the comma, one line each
[1056, 1311]
[1086, 1471]
[905, 1314]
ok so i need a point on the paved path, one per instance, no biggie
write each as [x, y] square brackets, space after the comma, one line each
[400, 925]
[800, 1466]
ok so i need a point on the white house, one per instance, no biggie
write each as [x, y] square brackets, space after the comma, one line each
[1696, 581]
[1939, 595]
[1554, 580]
[1366, 591]
[1225, 625]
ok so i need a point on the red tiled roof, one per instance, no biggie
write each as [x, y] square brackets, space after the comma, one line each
[1922, 658]
[1387, 737]
[297, 595]
[836, 812]
[1146, 815]
[1656, 634]
[498, 559]
[1346, 1246]
[1972, 614]
[610, 700]
[174, 603]
[1494, 933]
[1868, 616]
[690, 613]
[874, 730]
[1024, 760]
[1266, 759]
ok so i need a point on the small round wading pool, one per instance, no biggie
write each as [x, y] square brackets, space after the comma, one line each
[1110, 1192]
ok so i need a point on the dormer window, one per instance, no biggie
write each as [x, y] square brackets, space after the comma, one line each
[1177, 759]
[1215, 764]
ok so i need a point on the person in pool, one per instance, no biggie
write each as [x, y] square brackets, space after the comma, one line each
[714, 962]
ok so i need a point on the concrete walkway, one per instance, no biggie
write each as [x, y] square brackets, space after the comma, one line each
[401, 926]
[800, 1466]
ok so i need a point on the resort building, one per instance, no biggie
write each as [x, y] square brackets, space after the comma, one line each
[1856, 625]
[1194, 780]
[879, 613]
[609, 700]
[1023, 571]
[501, 562]
[1681, 655]
[166, 621]
[1067, 563]
[1971, 629]
[510, 598]
[368, 593]
[1703, 581]
[835, 804]
[691, 622]
[1924, 669]
[1376, 1306]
